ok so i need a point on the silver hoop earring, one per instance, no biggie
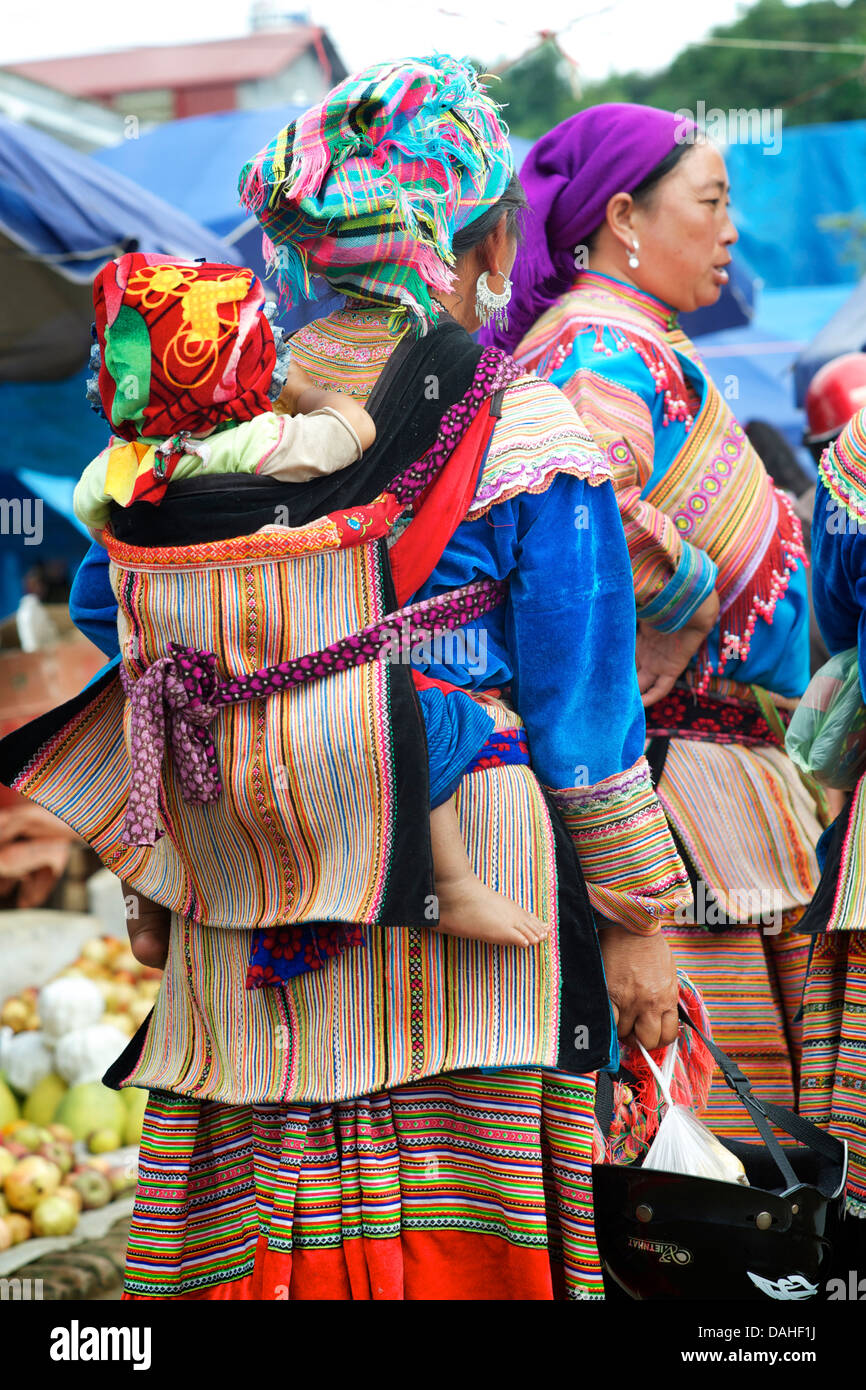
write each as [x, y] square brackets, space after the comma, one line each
[633, 260]
[489, 305]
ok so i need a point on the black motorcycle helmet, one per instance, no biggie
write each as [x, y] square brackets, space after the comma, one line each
[664, 1235]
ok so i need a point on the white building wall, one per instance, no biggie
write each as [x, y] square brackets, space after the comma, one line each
[149, 107]
[302, 83]
[82, 124]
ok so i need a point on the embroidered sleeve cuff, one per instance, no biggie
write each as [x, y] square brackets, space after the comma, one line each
[693, 581]
[633, 872]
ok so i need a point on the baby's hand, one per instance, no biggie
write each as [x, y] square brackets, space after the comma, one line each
[296, 383]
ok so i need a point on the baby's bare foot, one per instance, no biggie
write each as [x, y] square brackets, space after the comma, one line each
[469, 909]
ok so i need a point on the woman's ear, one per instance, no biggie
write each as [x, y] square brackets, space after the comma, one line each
[619, 218]
[494, 248]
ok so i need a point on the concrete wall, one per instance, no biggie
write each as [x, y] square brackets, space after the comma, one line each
[300, 84]
[35, 945]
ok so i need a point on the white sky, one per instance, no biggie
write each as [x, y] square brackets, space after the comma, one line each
[602, 35]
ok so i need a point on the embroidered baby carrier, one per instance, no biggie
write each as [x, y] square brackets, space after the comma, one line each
[413, 1002]
[259, 758]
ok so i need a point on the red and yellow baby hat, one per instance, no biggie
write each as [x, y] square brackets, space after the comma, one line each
[184, 345]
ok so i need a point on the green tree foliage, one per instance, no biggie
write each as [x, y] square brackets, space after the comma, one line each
[808, 86]
[537, 93]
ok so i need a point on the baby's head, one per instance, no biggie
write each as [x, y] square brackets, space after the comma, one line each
[181, 346]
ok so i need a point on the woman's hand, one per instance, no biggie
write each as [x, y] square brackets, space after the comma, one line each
[663, 656]
[642, 984]
[148, 927]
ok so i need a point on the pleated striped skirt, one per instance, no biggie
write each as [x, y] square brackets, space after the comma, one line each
[833, 1091]
[466, 1186]
[749, 828]
[752, 986]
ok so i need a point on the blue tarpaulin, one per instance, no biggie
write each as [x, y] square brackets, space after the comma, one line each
[57, 203]
[194, 164]
[753, 365]
[780, 198]
[844, 332]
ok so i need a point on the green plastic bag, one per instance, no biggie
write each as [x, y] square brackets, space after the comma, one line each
[827, 734]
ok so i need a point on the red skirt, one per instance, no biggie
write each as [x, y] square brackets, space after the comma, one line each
[465, 1186]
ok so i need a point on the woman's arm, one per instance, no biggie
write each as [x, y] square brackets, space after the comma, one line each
[565, 641]
[92, 605]
[615, 400]
[572, 626]
[577, 691]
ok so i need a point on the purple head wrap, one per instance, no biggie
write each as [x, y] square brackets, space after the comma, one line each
[569, 175]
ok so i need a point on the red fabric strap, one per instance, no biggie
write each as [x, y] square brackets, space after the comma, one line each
[442, 507]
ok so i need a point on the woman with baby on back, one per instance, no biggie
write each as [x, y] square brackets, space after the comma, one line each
[344, 1096]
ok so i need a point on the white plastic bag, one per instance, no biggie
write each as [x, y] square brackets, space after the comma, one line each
[827, 733]
[682, 1144]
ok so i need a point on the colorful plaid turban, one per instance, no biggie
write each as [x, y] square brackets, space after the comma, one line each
[368, 188]
[183, 345]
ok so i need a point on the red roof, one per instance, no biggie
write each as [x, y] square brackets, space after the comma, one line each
[257, 55]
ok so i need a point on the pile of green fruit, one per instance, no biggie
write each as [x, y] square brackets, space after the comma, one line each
[43, 1189]
[101, 1118]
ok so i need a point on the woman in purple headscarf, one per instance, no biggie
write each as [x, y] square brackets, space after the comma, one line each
[628, 226]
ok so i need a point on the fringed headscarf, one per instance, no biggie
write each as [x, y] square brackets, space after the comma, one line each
[368, 188]
[570, 175]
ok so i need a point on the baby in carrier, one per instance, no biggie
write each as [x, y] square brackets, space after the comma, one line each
[202, 386]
